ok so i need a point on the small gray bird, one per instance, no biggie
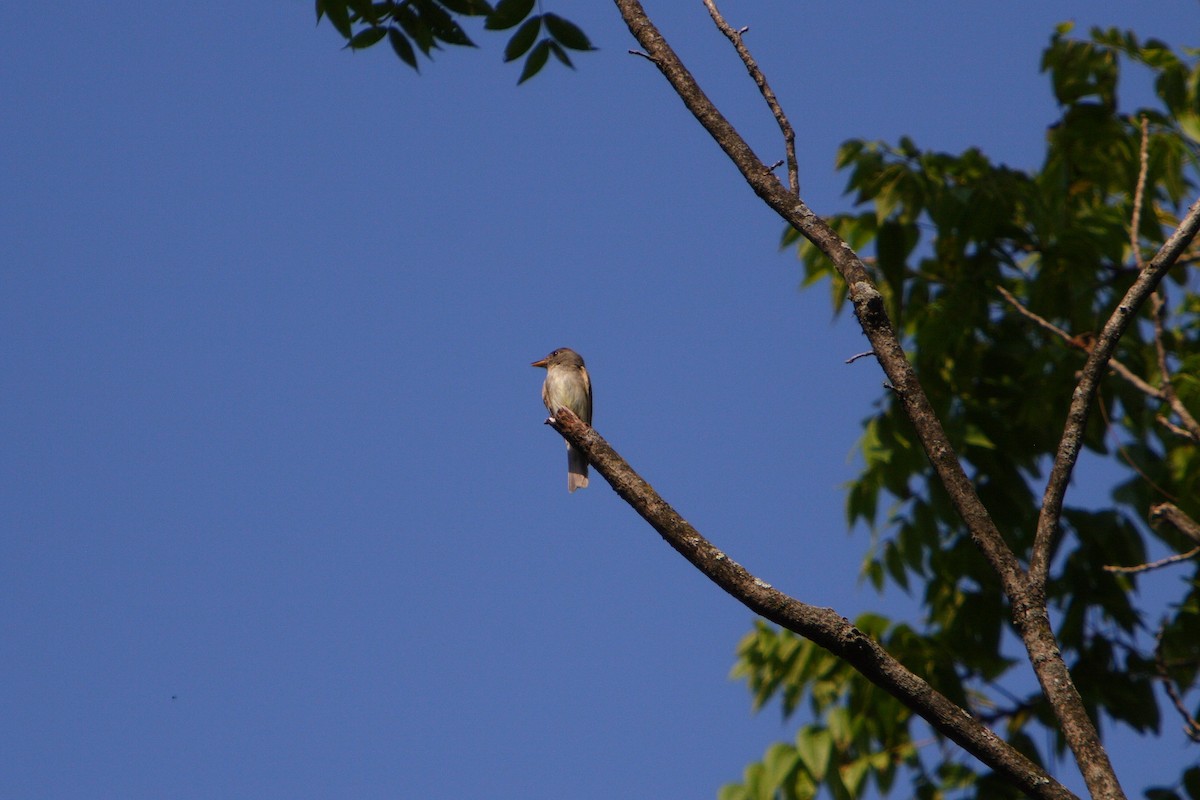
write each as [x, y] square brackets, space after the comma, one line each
[567, 384]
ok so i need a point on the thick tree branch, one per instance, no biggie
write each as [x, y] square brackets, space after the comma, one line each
[823, 626]
[1089, 381]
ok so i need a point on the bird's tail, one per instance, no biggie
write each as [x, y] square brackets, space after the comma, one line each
[577, 469]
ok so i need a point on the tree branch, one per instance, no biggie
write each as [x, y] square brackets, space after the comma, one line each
[1191, 727]
[1028, 601]
[1159, 312]
[1139, 193]
[1089, 381]
[1175, 516]
[868, 303]
[823, 626]
[1053, 676]
[1080, 344]
[785, 127]
[1151, 565]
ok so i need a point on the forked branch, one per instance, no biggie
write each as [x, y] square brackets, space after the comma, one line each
[760, 80]
[824, 626]
[1026, 596]
[1089, 381]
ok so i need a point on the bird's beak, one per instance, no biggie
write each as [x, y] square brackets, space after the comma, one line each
[545, 362]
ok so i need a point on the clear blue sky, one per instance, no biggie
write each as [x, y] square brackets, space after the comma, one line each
[280, 517]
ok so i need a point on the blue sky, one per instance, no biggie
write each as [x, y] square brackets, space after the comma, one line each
[281, 519]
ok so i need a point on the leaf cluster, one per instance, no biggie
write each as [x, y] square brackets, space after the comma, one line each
[424, 25]
[949, 234]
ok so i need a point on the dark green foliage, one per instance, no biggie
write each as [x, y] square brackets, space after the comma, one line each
[523, 39]
[946, 233]
[567, 33]
[425, 25]
[537, 59]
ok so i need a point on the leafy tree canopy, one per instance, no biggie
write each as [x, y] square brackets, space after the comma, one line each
[413, 26]
[997, 279]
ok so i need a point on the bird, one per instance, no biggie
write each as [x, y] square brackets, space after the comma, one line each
[567, 384]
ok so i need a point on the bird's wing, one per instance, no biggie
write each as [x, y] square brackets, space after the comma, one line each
[587, 392]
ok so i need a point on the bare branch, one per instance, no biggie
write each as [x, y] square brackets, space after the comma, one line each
[1081, 343]
[1159, 312]
[1162, 562]
[1183, 433]
[785, 127]
[1139, 194]
[824, 626]
[1174, 516]
[857, 356]
[1089, 381]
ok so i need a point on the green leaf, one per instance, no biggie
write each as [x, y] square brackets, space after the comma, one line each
[366, 37]
[339, 17]
[1161, 793]
[508, 13]
[523, 39]
[561, 54]
[416, 28]
[1191, 782]
[362, 9]
[442, 25]
[567, 33]
[536, 60]
[814, 746]
[854, 773]
[780, 761]
[403, 48]
[733, 791]
[1189, 123]
[975, 437]
[468, 8]
[375, 13]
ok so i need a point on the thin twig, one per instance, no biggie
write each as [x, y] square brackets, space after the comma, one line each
[1191, 726]
[1181, 432]
[1080, 343]
[1126, 456]
[857, 356]
[1162, 562]
[1139, 194]
[785, 127]
[1159, 312]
